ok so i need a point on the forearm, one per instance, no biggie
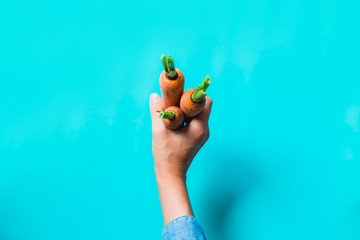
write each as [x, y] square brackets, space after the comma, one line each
[174, 197]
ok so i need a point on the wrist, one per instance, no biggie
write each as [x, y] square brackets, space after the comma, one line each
[165, 175]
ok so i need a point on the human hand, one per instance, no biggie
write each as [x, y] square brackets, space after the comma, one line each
[174, 151]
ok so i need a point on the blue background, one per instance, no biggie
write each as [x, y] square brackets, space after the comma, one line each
[283, 159]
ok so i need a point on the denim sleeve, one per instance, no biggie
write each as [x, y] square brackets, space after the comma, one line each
[183, 228]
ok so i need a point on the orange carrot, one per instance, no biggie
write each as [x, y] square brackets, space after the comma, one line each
[172, 117]
[193, 100]
[171, 83]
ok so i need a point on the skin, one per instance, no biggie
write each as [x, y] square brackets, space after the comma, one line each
[173, 153]
[189, 107]
[171, 90]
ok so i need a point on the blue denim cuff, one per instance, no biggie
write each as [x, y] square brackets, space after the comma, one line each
[183, 228]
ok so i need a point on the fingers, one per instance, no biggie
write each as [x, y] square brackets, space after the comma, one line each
[202, 119]
[205, 114]
[155, 104]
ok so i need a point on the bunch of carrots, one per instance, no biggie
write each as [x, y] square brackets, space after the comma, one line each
[179, 105]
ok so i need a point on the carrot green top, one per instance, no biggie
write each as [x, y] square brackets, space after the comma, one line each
[169, 66]
[166, 114]
[200, 92]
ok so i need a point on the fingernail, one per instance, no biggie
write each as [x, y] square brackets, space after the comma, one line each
[154, 98]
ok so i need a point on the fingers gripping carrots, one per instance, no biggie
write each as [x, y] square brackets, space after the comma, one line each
[171, 83]
[172, 117]
[191, 102]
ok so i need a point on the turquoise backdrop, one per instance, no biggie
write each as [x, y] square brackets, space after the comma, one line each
[283, 158]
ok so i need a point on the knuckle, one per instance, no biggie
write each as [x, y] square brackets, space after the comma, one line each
[201, 133]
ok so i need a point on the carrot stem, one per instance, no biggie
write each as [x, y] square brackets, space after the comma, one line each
[169, 66]
[164, 62]
[200, 92]
[166, 114]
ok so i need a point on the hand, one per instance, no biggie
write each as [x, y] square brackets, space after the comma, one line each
[174, 151]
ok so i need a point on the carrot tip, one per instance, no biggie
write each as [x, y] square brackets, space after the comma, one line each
[166, 114]
[169, 66]
[200, 92]
[198, 96]
[164, 62]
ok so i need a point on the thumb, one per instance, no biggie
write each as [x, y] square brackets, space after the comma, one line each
[155, 104]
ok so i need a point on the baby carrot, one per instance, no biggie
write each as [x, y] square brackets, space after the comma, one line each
[172, 117]
[171, 83]
[193, 100]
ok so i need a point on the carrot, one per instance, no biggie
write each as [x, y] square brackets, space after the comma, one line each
[171, 83]
[172, 117]
[193, 100]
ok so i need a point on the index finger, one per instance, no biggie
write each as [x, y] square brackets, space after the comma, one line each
[155, 104]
